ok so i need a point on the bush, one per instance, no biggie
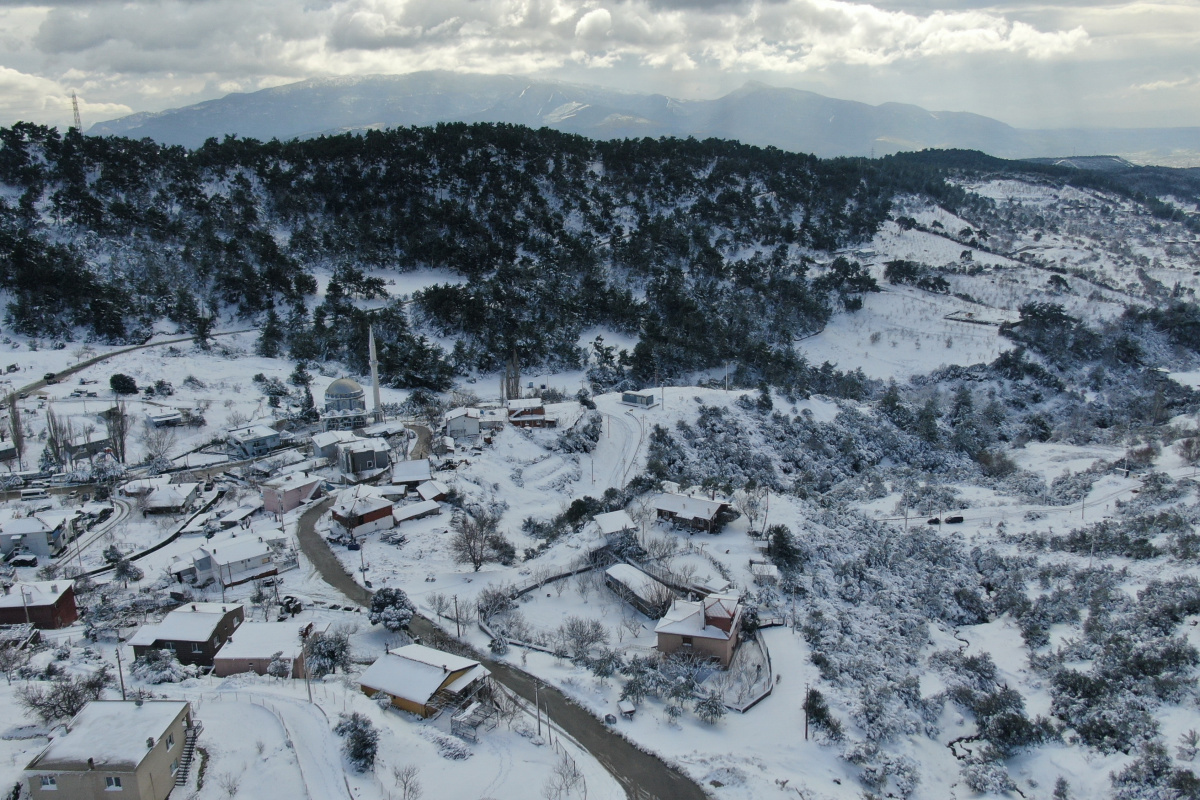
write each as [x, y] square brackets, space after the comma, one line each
[161, 666]
[392, 609]
[362, 740]
[122, 384]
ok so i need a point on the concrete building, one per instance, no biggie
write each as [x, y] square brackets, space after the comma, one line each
[422, 680]
[529, 413]
[229, 562]
[411, 473]
[364, 455]
[639, 399]
[253, 441]
[359, 512]
[173, 498]
[462, 423]
[193, 632]
[326, 444]
[709, 628]
[44, 536]
[281, 495]
[256, 643]
[48, 605]
[133, 750]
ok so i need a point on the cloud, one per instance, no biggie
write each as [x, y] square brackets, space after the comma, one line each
[31, 97]
[155, 53]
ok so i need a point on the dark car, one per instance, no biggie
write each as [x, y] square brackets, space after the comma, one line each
[49, 377]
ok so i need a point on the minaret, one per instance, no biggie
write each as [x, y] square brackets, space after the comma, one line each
[378, 410]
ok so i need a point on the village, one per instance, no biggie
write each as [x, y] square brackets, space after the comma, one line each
[193, 571]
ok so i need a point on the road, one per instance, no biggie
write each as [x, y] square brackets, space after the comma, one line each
[90, 362]
[643, 776]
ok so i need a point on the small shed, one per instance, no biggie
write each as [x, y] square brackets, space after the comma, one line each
[646, 594]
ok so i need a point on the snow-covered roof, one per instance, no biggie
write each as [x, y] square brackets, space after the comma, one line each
[416, 672]
[469, 413]
[690, 507]
[293, 481]
[242, 511]
[635, 581]
[686, 618]
[526, 404]
[232, 551]
[404, 513]
[252, 432]
[112, 733]
[323, 440]
[37, 593]
[194, 622]
[143, 485]
[764, 570]
[385, 429]
[431, 489]
[358, 501]
[366, 446]
[172, 496]
[23, 525]
[614, 522]
[416, 471]
[263, 640]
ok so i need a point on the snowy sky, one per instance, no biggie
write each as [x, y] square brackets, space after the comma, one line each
[1033, 64]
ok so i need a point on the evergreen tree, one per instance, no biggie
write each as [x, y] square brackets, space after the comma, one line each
[270, 336]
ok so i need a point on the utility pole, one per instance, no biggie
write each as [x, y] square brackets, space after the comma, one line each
[457, 629]
[807, 697]
[538, 706]
[120, 670]
[75, 108]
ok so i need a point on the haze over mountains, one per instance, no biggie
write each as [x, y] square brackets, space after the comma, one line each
[758, 114]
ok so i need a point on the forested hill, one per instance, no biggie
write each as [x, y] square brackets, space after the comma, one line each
[700, 248]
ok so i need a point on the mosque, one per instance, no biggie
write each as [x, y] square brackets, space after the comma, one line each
[346, 401]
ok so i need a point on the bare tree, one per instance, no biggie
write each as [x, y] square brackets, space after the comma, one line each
[116, 423]
[18, 434]
[753, 502]
[11, 660]
[59, 434]
[157, 442]
[474, 537]
[406, 780]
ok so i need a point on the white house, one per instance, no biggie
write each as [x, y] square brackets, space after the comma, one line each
[614, 522]
[228, 562]
[253, 440]
[172, 498]
[411, 473]
[462, 423]
[326, 443]
[43, 536]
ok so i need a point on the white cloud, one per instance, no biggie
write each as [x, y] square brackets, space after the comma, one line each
[157, 53]
[33, 98]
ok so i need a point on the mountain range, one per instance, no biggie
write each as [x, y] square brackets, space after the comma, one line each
[758, 114]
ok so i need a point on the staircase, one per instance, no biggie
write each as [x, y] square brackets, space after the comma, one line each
[189, 750]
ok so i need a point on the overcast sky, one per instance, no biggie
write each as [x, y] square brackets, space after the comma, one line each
[1032, 64]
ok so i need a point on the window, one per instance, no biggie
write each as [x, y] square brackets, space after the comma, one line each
[687, 641]
[169, 646]
[197, 647]
[174, 766]
[112, 783]
[49, 782]
[170, 740]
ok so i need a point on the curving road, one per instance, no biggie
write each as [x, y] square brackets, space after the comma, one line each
[643, 776]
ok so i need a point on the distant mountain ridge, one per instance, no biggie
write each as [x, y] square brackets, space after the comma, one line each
[790, 119]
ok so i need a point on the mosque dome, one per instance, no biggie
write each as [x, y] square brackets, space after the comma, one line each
[345, 394]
